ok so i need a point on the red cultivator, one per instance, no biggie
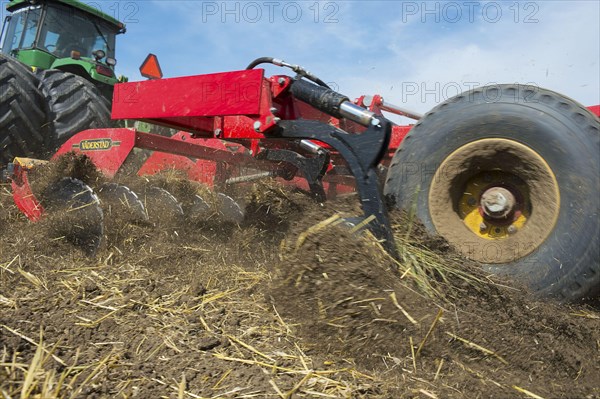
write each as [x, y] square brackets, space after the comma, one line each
[477, 171]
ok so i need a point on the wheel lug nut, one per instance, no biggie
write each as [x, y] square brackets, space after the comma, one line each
[511, 229]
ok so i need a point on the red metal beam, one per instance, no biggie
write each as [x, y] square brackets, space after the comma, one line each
[217, 94]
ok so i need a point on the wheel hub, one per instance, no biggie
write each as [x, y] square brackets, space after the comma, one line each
[494, 204]
[494, 199]
[497, 202]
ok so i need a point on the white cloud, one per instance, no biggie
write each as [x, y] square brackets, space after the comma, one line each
[376, 47]
[560, 52]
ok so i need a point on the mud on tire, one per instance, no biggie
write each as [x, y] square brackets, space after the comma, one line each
[23, 123]
[75, 104]
[535, 143]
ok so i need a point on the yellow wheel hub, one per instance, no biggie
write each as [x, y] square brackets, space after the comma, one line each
[469, 205]
[495, 199]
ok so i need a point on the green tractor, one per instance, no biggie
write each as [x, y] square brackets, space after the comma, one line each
[57, 74]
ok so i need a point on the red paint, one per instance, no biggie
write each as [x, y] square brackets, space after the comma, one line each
[107, 160]
[218, 94]
[399, 132]
[24, 199]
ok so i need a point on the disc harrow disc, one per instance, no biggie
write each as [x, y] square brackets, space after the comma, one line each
[229, 210]
[74, 212]
[121, 202]
[162, 207]
[196, 209]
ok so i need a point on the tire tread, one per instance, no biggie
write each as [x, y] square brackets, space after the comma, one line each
[24, 129]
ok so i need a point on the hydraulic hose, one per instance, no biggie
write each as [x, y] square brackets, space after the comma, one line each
[332, 103]
[261, 60]
[323, 99]
[296, 68]
[320, 95]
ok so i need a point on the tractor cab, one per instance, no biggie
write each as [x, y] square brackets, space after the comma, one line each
[62, 34]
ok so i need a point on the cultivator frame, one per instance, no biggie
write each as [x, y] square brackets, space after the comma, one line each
[241, 126]
[279, 126]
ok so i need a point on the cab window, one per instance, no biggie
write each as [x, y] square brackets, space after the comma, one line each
[22, 29]
[64, 31]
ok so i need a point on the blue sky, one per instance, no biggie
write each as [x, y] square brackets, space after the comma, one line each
[414, 53]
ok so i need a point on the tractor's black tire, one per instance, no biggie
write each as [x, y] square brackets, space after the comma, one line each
[75, 104]
[24, 130]
[566, 263]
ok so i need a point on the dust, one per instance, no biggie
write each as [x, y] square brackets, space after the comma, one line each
[490, 337]
[77, 166]
[272, 308]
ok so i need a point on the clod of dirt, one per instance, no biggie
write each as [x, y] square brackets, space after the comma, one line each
[272, 207]
[425, 326]
[77, 166]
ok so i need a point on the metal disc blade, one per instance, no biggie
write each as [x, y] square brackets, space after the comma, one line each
[121, 202]
[230, 210]
[197, 210]
[162, 207]
[75, 213]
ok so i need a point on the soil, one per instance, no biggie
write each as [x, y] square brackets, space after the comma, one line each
[282, 305]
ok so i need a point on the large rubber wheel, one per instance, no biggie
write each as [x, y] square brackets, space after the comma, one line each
[510, 176]
[75, 104]
[23, 123]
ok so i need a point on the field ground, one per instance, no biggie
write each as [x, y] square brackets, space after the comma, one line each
[289, 304]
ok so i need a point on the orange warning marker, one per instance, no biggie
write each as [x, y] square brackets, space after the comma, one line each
[151, 68]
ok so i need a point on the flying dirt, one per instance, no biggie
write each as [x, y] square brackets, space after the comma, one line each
[289, 303]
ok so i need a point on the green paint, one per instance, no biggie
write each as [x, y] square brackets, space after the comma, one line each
[44, 34]
[36, 58]
[16, 4]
